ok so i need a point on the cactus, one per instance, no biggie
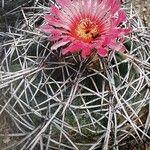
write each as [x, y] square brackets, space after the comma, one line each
[67, 102]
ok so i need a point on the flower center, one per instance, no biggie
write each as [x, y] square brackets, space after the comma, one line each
[87, 30]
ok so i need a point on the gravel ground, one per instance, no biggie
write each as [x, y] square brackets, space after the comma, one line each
[143, 7]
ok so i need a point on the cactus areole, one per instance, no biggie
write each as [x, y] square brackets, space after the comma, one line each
[86, 25]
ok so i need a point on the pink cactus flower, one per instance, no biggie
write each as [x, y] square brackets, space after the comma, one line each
[86, 26]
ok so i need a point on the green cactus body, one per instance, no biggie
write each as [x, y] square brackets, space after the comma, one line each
[66, 102]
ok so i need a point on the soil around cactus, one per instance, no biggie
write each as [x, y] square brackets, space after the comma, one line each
[143, 8]
[5, 128]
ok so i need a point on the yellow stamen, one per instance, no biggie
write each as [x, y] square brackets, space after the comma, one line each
[87, 30]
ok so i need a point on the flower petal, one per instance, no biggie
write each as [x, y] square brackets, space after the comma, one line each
[58, 44]
[73, 47]
[63, 2]
[86, 51]
[102, 51]
[85, 25]
[117, 46]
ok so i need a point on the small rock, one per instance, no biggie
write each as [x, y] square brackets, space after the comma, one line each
[6, 140]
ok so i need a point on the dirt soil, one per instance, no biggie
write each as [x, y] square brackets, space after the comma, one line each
[143, 7]
[5, 128]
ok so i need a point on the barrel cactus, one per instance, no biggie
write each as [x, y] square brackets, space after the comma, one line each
[96, 100]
